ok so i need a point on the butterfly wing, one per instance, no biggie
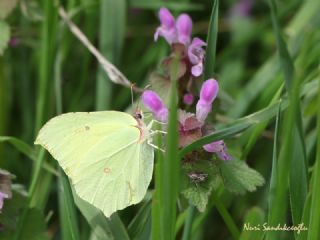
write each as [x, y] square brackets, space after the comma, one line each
[103, 155]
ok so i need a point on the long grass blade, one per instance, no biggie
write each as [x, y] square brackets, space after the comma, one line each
[314, 230]
[298, 189]
[212, 41]
[170, 172]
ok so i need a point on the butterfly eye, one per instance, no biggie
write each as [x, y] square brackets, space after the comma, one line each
[139, 116]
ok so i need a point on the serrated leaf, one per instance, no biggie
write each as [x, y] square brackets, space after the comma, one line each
[4, 35]
[198, 192]
[239, 178]
[198, 195]
[6, 6]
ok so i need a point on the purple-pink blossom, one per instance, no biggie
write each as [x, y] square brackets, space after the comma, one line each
[167, 28]
[154, 103]
[172, 31]
[196, 55]
[219, 148]
[208, 93]
[184, 28]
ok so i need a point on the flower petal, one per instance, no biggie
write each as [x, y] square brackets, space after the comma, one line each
[154, 103]
[197, 70]
[184, 28]
[219, 148]
[209, 90]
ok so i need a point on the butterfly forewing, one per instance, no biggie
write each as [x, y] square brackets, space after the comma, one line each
[102, 153]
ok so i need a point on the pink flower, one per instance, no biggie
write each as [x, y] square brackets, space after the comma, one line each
[219, 148]
[174, 31]
[154, 103]
[167, 28]
[196, 56]
[208, 93]
[188, 98]
[184, 28]
[2, 197]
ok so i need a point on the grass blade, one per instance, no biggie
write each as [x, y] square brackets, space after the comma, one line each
[298, 189]
[111, 37]
[27, 150]
[314, 231]
[226, 216]
[140, 221]
[67, 208]
[212, 41]
[170, 171]
[188, 225]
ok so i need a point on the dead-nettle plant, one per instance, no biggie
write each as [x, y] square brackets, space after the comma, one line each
[205, 169]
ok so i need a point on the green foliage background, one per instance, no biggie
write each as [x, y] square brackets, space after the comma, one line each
[267, 65]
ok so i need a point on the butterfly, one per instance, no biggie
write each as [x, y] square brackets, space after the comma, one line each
[107, 155]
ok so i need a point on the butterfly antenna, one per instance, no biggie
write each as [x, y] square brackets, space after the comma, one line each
[131, 88]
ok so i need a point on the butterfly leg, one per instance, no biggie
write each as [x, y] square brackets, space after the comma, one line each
[154, 121]
[156, 132]
[154, 146]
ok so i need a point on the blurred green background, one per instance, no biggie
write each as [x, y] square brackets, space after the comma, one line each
[39, 54]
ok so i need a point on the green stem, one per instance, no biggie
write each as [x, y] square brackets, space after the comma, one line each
[226, 216]
[188, 225]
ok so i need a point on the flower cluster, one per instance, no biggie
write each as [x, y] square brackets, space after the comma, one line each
[190, 52]
[191, 126]
[179, 31]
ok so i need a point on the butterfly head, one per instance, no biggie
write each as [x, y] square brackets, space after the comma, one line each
[138, 115]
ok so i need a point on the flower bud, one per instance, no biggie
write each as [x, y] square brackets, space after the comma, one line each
[209, 90]
[184, 28]
[208, 93]
[188, 98]
[154, 103]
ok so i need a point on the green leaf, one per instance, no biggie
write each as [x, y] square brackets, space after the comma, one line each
[138, 226]
[4, 35]
[6, 6]
[314, 222]
[170, 169]
[68, 217]
[198, 195]
[293, 150]
[212, 41]
[111, 37]
[254, 217]
[199, 192]
[102, 228]
[239, 178]
[234, 128]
